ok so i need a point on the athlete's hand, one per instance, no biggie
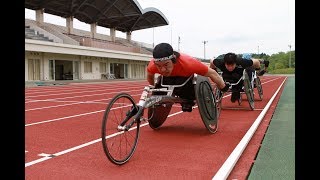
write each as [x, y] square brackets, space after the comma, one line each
[261, 72]
[226, 87]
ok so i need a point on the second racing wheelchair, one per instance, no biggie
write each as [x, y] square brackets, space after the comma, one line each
[247, 89]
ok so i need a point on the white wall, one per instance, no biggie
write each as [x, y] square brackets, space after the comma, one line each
[45, 57]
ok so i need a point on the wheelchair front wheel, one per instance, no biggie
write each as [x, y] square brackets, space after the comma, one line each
[119, 144]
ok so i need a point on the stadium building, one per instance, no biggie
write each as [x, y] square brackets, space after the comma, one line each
[54, 52]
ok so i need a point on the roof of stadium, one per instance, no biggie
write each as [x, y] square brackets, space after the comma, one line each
[123, 15]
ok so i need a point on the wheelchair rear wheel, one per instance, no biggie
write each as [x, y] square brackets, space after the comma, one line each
[248, 90]
[259, 87]
[218, 97]
[240, 99]
[206, 103]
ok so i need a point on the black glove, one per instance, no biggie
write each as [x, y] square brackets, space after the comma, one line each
[266, 63]
[226, 87]
[261, 72]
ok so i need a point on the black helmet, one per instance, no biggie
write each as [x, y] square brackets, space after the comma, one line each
[230, 58]
[163, 51]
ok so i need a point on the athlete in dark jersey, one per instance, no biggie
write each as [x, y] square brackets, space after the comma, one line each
[232, 67]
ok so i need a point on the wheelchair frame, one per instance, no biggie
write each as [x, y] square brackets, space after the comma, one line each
[127, 124]
[247, 88]
[256, 83]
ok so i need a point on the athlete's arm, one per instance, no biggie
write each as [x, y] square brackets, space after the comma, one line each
[150, 78]
[212, 66]
[255, 63]
[215, 77]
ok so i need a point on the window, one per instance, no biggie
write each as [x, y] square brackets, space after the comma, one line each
[102, 67]
[33, 69]
[51, 69]
[112, 68]
[87, 67]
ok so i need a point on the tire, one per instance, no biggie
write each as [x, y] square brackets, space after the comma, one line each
[119, 145]
[259, 87]
[158, 114]
[248, 90]
[240, 99]
[206, 103]
[218, 97]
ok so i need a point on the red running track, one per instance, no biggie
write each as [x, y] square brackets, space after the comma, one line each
[63, 131]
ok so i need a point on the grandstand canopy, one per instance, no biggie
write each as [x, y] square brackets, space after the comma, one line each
[123, 15]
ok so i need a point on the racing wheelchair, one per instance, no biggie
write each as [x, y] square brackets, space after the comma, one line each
[247, 89]
[123, 116]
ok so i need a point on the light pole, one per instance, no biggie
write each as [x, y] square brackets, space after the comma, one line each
[289, 55]
[153, 37]
[258, 50]
[204, 49]
[171, 34]
[178, 43]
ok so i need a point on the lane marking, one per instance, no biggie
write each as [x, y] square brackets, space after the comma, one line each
[231, 161]
[74, 102]
[46, 155]
[63, 118]
[85, 144]
[98, 140]
[78, 92]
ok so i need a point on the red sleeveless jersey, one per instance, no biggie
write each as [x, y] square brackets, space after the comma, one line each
[185, 66]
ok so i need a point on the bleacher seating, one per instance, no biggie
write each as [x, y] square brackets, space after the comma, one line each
[32, 34]
[82, 38]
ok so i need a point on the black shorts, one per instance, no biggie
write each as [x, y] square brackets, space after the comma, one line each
[231, 77]
[185, 92]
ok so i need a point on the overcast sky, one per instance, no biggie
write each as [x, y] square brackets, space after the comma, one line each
[239, 26]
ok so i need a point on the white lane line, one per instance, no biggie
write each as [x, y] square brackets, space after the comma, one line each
[37, 161]
[77, 115]
[74, 102]
[53, 106]
[94, 101]
[70, 97]
[52, 89]
[228, 165]
[83, 145]
[44, 155]
[79, 92]
[58, 119]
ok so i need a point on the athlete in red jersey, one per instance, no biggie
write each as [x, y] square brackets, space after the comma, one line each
[170, 63]
[174, 66]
